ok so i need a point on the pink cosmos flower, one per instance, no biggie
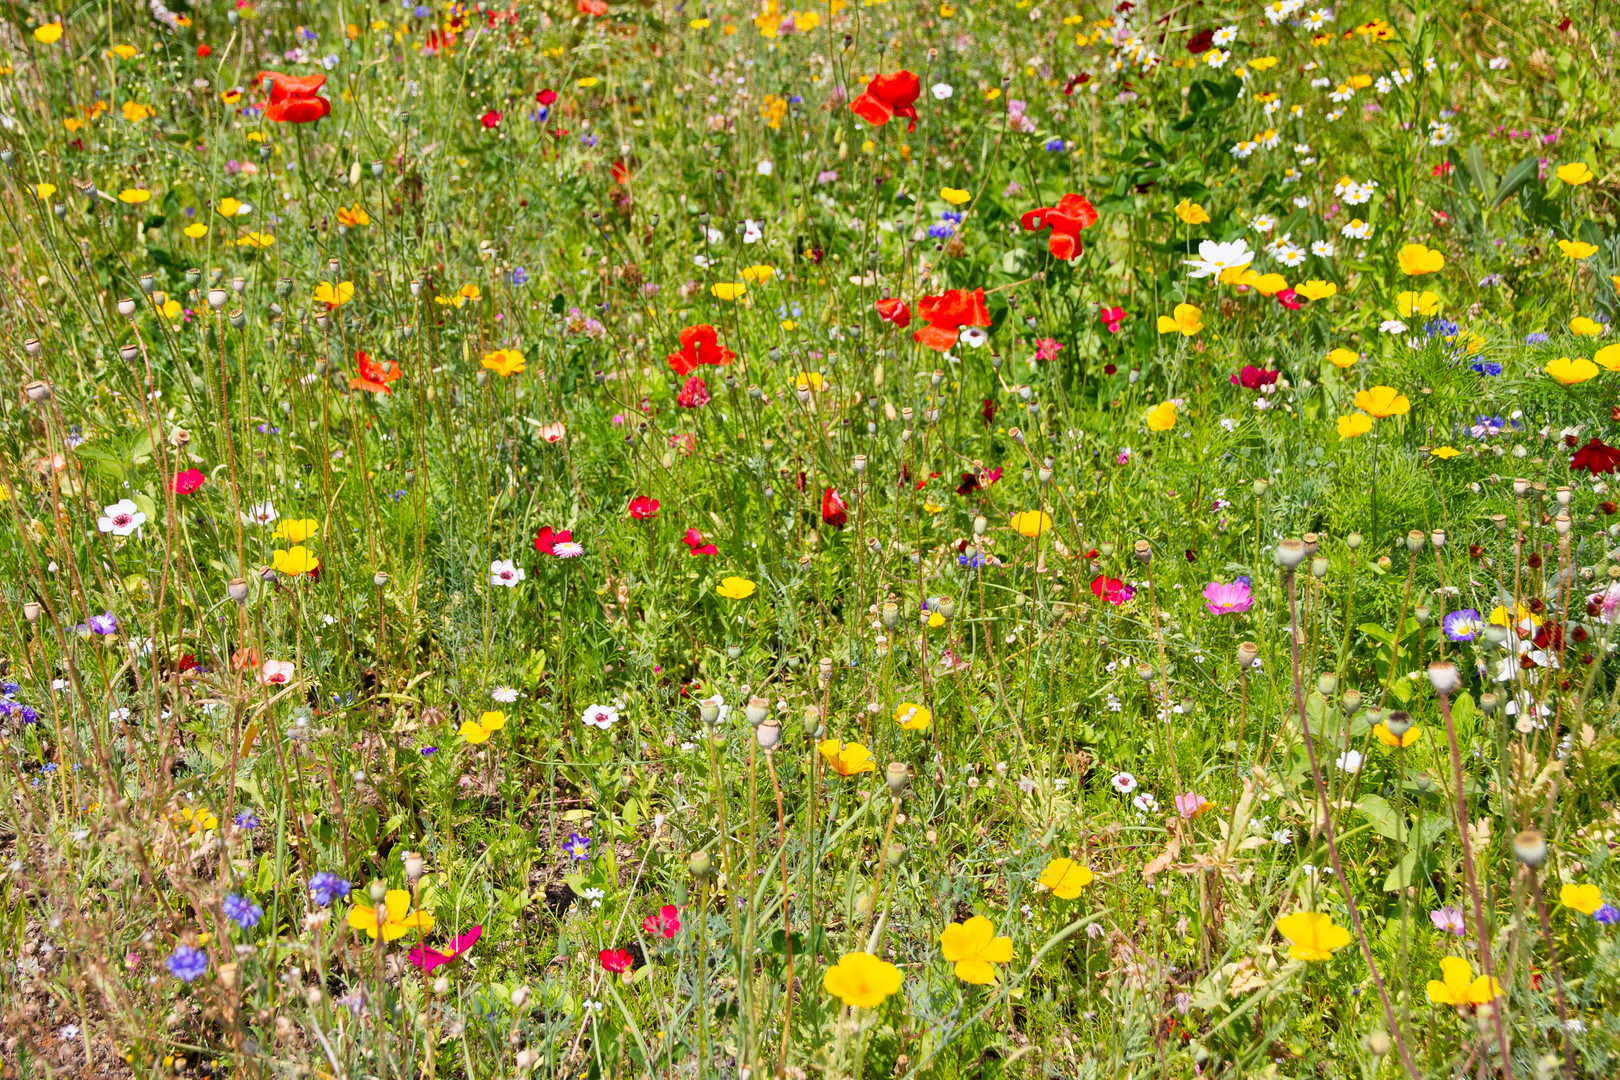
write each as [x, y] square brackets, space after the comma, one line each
[1450, 920]
[1233, 599]
[1190, 805]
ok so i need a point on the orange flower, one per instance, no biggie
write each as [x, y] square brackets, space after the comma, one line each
[375, 375]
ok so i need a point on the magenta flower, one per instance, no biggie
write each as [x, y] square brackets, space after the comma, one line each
[1450, 920]
[1047, 348]
[1233, 599]
[1190, 805]
[427, 959]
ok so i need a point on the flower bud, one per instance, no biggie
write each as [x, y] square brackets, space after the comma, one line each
[898, 777]
[1247, 653]
[1144, 552]
[378, 891]
[1260, 487]
[757, 709]
[1290, 553]
[700, 864]
[1319, 567]
[1445, 677]
[1530, 848]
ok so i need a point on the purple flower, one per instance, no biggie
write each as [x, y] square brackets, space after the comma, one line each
[242, 911]
[1054, 145]
[1608, 915]
[326, 888]
[520, 275]
[826, 176]
[247, 820]
[1463, 625]
[187, 963]
[104, 624]
[1450, 920]
[577, 847]
[1233, 599]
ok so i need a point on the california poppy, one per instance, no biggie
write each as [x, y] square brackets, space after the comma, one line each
[833, 509]
[894, 310]
[375, 375]
[946, 314]
[1595, 457]
[293, 99]
[888, 96]
[1066, 219]
[700, 344]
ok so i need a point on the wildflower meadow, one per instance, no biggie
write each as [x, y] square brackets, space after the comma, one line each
[886, 540]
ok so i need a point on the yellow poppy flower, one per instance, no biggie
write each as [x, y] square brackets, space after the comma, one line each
[397, 917]
[353, 217]
[123, 52]
[1353, 425]
[297, 561]
[1607, 358]
[44, 191]
[1577, 249]
[758, 275]
[1239, 275]
[861, 980]
[1582, 898]
[1445, 453]
[1316, 289]
[479, 731]
[134, 196]
[1575, 173]
[1343, 358]
[1382, 401]
[1581, 326]
[1191, 213]
[912, 717]
[228, 207]
[505, 362]
[1416, 260]
[334, 295]
[587, 82]
[736, 588]
[1500, 616]
[1269, 285]
[1424, 303]
[846, 759]
[729, 290]
[1162, 417]
[48, 34]
[135, 112]
[1571, 372]
[1187, 321]
[1460, 987]
[975, 950]
[1389, 738]
[1311, 935]
[296, 530]
[196, 230]
[1031, 523]
[1263, 63]
[954, 196]
[256, 240]
[1065, 878]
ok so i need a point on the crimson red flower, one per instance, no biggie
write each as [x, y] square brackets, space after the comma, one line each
[833, 510]
[184, 483]
[694, 395]
[491, 119]
[1596, 458]
[204, 52]
[1111, 317]
[700, 344]
[547, 539]
[1113, 590]
[969, 484]
[615, 960]
[888, 96]
[293, 99]
[375, 375]
[1253, 378]
[1066, 219]
[988, 410]
[946, 314]
[1289, 299]
[642, 508]
[894, 310]
[667, 922]
[546, 97]
[697, 545]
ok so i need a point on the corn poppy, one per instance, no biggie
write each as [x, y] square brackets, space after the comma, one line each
[700, 344]
[833, 510]
[696, 545]
[1111, 317]
[1066, 219]
[375, 375]
[946, 314]
[894, 310]
[888, 96]
[294, 99]
[491, 120]
[642, 507]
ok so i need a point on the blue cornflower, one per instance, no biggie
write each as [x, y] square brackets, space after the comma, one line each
[9, 689]
[247, 820]
[588, 141]
[520, 276]
[577, 847]
[326, 888]
[187, 963]
[1441, 327]
[242, 911]
[972, 559]
[1608, 915]
[1485, 367]
[429, 751]
[29, 716]
[952, 216]
[1535, 339]
[540, 115]
[1054, 145]
[421, 11]
[941, 231]
[308, 34]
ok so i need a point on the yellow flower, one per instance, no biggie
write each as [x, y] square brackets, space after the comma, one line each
[846, 759]
[1311, 935]
[912, 717]
[1582, 898]
[72, 124]
[297, 561]
[135, 112]
[729, 290]
[862, 980]
[975, 950]
[1581, 326]
[1424, 303]
[1389, 738]
[1575, 173]
[1065, 878]
[1576, 249]
[1263, 63]
[1445, 453]
[1500, 616]
[1239, 275]
[351, 217]
[1460, 987]
[1269, 285]
[758, 274]
[395, 922]
[1415, 260]
[168, 309]
[1382, 401]
[228, 207]
[587, 82]
[469, 292]
[954, 196]
[992, 93]
[256, 240]
[478, 731]
[296, 530]
[1359, 82]
[1188, 320]
[123, 52]
[699, 24]
[1162, 417]
[1343, 358]
[44, 191]
[334, 295]
[49, 34]
[1191, 212]
[1353, 425]
[134, 195]
[505, 362]
[1031, 523]
[196, 230]
[1607, 358]
[1316, 289]
[1571, 372]
[736, 588]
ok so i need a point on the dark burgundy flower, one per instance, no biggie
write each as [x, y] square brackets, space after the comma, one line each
[1201, 42]
[969, 484]
[1253, 378]
[1596, 458]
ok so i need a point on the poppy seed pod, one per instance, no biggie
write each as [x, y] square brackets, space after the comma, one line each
[238, 283]
[700, 864]
[1414, 540]
[1562, 523]
[130, 353]
[858, 463]
[1445, 677]
[1500, 521]
[733, 651]
[380, 578]
[238, 590]
[416, 288]
[709, 712]
[1398, 723]
[1438, 538]
[1260, 487]
[1289, 554]
[1489, 703]
[1352, 701]
[38, 390]
[894, 855]
[1422, 613]
[1144, 552]
[757, 709]
[1530, 848]
[1521, 487]
[891, 614]
[1378, 1042]
[769, 733]
[1016, 435]
[1327, 683]
[148, 282]
[1247, 653]
[1319, 567]
[33, 347]
[126, 307]
[947, 607]
[1353, 541]
[31, 610]
[1144, 672]
[238, 319]
[898, 777]
[378, 891]
[1562, 493]
[217, 298]
[414, 866]
[1311, 542]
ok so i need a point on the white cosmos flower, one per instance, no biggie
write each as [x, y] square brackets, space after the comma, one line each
[1215, 256]
[121, 518]
[502, 572]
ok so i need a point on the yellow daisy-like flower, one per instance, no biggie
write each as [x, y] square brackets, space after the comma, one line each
[1389, 738]
[757, 275]
[1191, 213]
[729, 290]
[861, 980]
[1186, 321]
[397, 917]
[256, 240]
[1607, 358]
[1445, 453]
[197, 230]
[1269, 285]
[135, 112]
[48, 34]
[334, 295]
[1382, 401]
[975, 950]
[1424, 303]
[134, 196]
[1581, 326]
[1311, 935]
[296, 530]
[1316, 289]
[1066, 878]
[228, 207]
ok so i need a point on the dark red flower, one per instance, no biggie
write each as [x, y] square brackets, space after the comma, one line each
[294, 99]
[491, 119]
[1253, 378]
[946, 314]
[1596, 458]
[1201, 41]
[1079, 80]
[969, 484]
[1110, 369]
[833, 510]
[1066, 219]
[617, 961]
[894, 310]
[695, 542]
[184, 483]
[642, 507]
[888, 96]
[988, 410]
[1549, 635]
[699, 345]
[546, 540]
[693, 395]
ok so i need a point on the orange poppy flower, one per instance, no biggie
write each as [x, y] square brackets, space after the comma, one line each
[375, 375]
[888, 96]
[946, 314]
[293, 99]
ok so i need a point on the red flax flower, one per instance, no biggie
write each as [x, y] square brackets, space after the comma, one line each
[491, 119]
[1112, 317]
[1066, 219]
[293, 99]
[617, 961]
[946, 314]
[833, 509]
[375, 375]
[1596, 458]
[894, 310]
[696, 545]
[547, 539]
[642, 508]
[184, 483]
[1253, 378]
[699, 345]
[888, 96]
[667, 922]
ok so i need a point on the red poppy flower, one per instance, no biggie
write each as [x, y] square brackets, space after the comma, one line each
[184, 483]
[615, 960]
[1113, 590]
[204, 52]
[1066, 219]
[491, 119]
[833, 510]
[946, 314]
[546, 97]
[894, 310]
[699, 345]
[1596, 458]
[293, 99]
[667, 922]
[620, 171]
[888, 96]
[1078, 80]
[375, 375]
[1289, 299]
[694, 395]
[1201, 41]
[595, 8]
[1111, 317]
[696, 544]
[642, 508]
[547, 539]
